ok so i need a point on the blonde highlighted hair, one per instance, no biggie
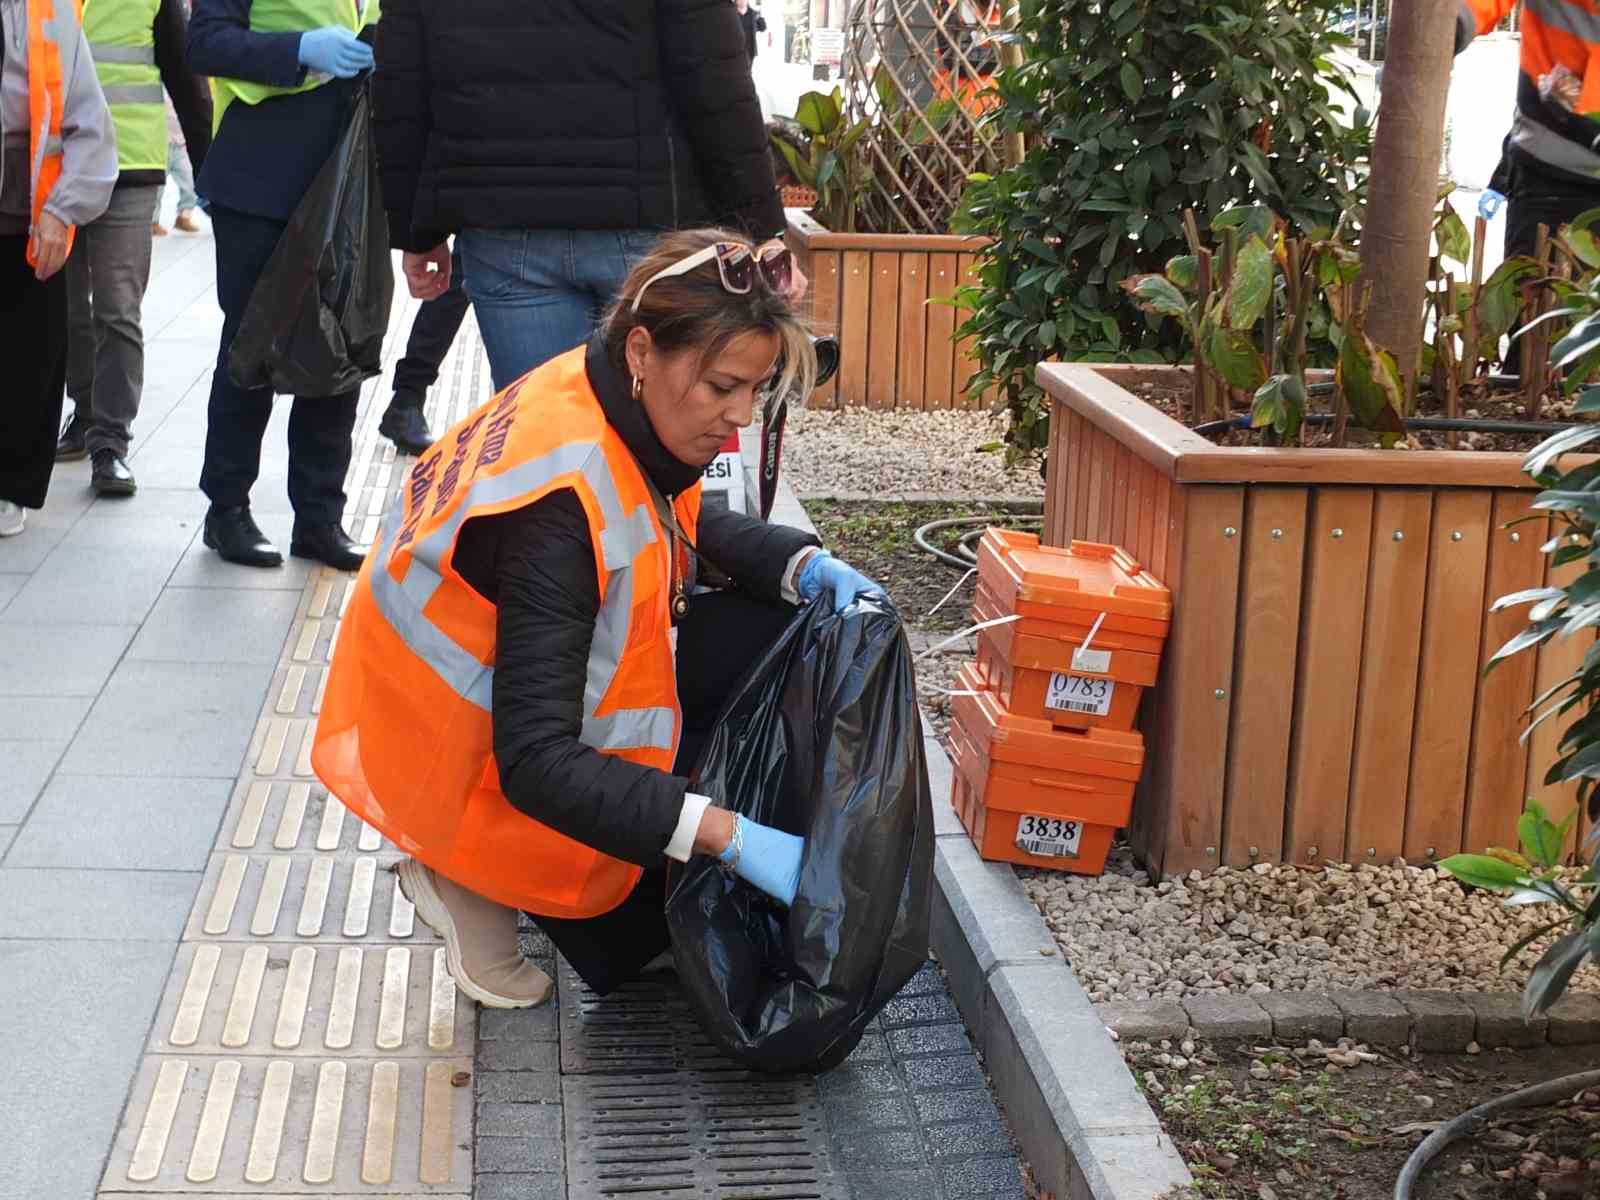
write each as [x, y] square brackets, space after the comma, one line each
[693, 311]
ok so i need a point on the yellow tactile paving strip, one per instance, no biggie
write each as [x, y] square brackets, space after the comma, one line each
[310, 1040]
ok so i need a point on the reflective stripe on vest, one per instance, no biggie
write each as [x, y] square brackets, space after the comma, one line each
[290, 16]
[48, 33]
[624, 538]
[1550, 147]
[1565, 16]
[122, 42]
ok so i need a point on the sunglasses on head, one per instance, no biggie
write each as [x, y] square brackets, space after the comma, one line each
[737, 265]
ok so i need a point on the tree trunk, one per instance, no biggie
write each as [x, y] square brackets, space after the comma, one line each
[1402, 192]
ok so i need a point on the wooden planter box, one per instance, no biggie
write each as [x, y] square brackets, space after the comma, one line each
[1322, 695]
[872, 290]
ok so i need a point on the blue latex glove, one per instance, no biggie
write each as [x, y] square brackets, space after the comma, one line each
[770, 859]
[1489, 204]
[334, 50]
[823, 570]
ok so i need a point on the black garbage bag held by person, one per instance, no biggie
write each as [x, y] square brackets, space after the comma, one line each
[317, 316]
[824, 741]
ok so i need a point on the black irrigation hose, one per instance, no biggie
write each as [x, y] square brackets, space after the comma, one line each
[968, 557]
[1431, 424]
[1473, 1120]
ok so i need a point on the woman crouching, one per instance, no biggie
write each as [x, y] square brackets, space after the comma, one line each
[526, 675]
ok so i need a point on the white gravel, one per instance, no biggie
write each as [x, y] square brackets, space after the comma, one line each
[1282, 928]
[892, 453]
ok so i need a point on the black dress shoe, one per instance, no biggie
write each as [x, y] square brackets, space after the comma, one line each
[70, 446]
[234, 534]
[328, 544]
[109, 475]
[405, 426]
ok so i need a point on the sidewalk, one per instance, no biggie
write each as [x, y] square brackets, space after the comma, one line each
[210, 982]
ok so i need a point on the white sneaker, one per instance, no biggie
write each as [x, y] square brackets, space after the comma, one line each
[12, 518]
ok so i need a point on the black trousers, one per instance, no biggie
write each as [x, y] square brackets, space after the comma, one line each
[431, 335]
[33, 334]
[320, 427]
[1536, 199]
[721, 638]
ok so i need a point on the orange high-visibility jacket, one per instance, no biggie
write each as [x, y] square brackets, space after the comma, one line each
[1554, 32]
[47, 99]
[406, 737]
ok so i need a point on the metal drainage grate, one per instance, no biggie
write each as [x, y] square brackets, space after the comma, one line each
[727, 1135]
[643, 1027]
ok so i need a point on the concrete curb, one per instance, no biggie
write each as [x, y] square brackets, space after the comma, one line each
[1435, 1022]
[1082, 1123]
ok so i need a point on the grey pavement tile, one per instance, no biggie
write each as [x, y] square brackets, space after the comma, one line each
[156, 520]
[919, 1010]
[7, 832]
[857, 1081]
[24, 769]
[983, 1177]
[201, 568]
[507, 1055]
[204, 625]
[519, 1120]
[76, 1015]
[534, 1186]
[519, 1087]
[931, 1074]
[99, 585]
[111, 822]
[10, 585]
[25, 553]
[871, 1048]
[59, 660]
[935, 1107]
[44, 718]
[930, 1039]
[492, 1155]
[77, 905]
[850, 1114]
[928, 980]
[542, 1024]
[970, 1140]
[892, 1185]
[884, 1148]
[183, 720]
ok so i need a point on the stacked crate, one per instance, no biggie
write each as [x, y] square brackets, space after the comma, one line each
[1043, 745]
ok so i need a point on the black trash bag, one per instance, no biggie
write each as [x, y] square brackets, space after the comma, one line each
[317, 316]
[822, 740]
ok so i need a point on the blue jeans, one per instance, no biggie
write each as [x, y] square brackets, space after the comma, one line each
[539, 292]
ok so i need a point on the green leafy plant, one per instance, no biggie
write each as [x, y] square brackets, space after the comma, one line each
[823, 157]
[1135, 111]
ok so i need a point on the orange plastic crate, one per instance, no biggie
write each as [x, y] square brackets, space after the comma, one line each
[1075, 703]
[1074, 585]
[1009, 768]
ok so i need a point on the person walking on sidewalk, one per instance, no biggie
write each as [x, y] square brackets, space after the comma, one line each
[554, 535]
[284, 75]
[181, 169]
[58, 164]
[557, 142]
[138, 48]
[434, 329]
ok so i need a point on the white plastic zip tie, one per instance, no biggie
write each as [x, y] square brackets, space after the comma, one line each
[966, 633]
[1093, 629]
[953, 591]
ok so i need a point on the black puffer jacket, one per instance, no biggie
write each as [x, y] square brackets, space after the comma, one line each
[536, 565]
[568, 114]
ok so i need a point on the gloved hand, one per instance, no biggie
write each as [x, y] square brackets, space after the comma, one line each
[1489, 204]
[823, 570]
[769, 859]
[334, 50]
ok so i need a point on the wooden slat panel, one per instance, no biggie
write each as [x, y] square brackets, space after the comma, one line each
[1558, 658]
[1396, 588]
[939, 359]
[911, 387]
[965, 367]
[1061, 471]
[855, 294]
[1054, 497]
[1097, 474]
[1089, 438]
[1452, 627]
[1141, 478]
[1499, 767]
[882, 356]
[1338, 543]
[1266, 646]
[824, 291]
[1187, 749]
[1117, 529]
[1162, 517]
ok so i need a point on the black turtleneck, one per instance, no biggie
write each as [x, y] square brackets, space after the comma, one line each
[536, 565]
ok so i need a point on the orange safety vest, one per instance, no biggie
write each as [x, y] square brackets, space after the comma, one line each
[1554, 33]
[406, 736]
[47, 99]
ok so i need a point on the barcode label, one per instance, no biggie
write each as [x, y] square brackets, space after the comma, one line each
[1049, 837]
[1080, 694]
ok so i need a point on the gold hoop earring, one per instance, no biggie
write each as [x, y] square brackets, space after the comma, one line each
[638, 387]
